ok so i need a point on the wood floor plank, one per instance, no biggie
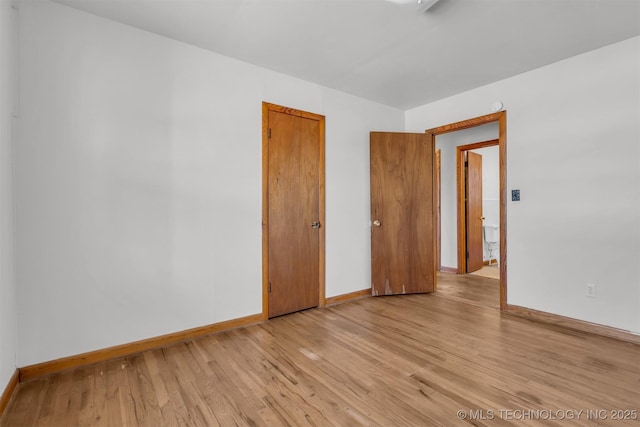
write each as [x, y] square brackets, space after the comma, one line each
[408, 360]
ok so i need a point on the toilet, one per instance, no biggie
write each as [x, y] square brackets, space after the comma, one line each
[492, 240]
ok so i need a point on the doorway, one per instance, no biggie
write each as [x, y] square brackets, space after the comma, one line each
[477, 213]
[292, 210]
[499, 120]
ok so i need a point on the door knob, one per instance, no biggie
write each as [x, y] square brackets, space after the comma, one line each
[315, 224]
[376, 223]
[482, 218]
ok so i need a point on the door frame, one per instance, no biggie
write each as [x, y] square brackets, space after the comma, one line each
[501, 118]
[462, 212]
[266, 108]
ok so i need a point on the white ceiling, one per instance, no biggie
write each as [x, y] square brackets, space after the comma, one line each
[383, 51]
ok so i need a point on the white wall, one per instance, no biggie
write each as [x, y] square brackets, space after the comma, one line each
[447, 144]
[8, 302]
[139, 183]
[572, 129]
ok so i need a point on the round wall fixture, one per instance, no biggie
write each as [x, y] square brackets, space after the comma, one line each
[497, 106]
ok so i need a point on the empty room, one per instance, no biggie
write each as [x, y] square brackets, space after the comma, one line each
[319, 212]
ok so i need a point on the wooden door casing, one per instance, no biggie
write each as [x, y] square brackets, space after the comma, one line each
[500, 118]
[475, 245]
[402, 213]
[294, 202]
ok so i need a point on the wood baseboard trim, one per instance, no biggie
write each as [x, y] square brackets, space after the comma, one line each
[53, 366]
[8, 391]
[575, 324]
[339, 299]
[491, 261]
[444, 269]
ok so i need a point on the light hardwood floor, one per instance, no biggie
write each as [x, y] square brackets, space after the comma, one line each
[412, 360]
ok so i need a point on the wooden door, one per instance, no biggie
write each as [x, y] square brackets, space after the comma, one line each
[293, 213]
[475, 259]
[402, 213]
[438, 189]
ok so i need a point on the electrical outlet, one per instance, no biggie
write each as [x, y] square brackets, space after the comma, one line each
[591, 290]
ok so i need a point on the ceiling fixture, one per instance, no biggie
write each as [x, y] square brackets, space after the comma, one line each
[424, 5]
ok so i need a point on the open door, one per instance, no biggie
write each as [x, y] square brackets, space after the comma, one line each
[438, 189]
[473, 165]
[403, 258]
